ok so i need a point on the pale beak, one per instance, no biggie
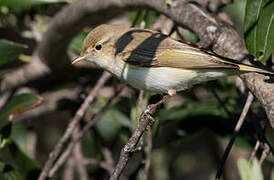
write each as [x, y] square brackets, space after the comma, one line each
[80, 58]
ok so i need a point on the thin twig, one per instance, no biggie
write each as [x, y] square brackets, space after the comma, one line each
[126, 152]
[78, 155]
[220, 101]
[140, 104]
[31, 144]
[109, 163]
[69, 169]
[148, 153]
[255, 149]
[77, 137]
[76, 119]
[148, 149]
[239, 124]
[264, 153]
[141, 107]
[102, 164]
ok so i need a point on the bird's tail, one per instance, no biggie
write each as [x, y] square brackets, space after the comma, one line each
[254, 69]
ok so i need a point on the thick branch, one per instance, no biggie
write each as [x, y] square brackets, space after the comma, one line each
[210, 30]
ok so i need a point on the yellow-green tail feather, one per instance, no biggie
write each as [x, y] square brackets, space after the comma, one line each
[253, 69]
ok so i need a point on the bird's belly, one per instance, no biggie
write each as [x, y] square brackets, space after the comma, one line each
[163, 79]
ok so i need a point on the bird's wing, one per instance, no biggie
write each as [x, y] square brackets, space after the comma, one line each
[190, 59]
[152, 49]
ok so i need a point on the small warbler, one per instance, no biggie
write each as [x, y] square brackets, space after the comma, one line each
[151, 61]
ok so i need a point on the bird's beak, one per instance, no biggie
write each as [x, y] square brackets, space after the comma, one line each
[78, 59]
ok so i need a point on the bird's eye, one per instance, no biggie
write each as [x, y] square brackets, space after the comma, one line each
[98, 47]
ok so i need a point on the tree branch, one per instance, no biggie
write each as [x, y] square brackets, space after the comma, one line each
[211, 31]
[129, 148]
[239, 124]
[73, 123]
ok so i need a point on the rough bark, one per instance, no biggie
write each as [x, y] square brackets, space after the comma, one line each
[211, 31]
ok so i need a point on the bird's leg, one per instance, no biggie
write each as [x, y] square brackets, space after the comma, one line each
[147, 113]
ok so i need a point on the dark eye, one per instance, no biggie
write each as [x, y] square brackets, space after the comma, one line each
[98, 47]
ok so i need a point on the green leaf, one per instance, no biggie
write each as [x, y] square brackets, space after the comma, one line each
[242, 142]
[235, 11]
[5, 132]
[20, 134]
[259, 20]
[23, 3]
[252, 12]
[265, 33]
[110, 124]
[10, 173]
[148, 17]
[249, 171]
[195, 108]
[77, 41]
[25, 164]
[9, 50]
[16, 160]
[19, 104]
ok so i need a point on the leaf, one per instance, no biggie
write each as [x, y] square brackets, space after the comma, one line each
[20, 132]
[252, 12]
[257, 171]
[242, 143]
[257, 28]
[9, 50]
[77, 41]
[16, 160]
[10, 173]
[145, 16]
[24, 163]
[110, 124]
[265, 33]
[19, 104]
[195, 108]
[24, 3]
[249, 171]
[6, 131]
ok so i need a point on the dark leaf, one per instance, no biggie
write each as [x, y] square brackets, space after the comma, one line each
[9, 50]
[257, 28]
[25, 164]
[77, 41]
[265, 33]
[19, 104]
[5, 131]
[9, 172]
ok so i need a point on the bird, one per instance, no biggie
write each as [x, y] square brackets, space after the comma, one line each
[151, 61]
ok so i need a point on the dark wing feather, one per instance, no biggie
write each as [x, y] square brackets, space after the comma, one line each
[152, 49]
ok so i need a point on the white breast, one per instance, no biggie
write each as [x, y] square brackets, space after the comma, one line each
[162, 79]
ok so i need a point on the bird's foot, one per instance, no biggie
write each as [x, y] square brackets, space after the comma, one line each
[147, 114]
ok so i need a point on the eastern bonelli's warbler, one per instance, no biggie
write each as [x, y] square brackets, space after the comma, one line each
[154, 62]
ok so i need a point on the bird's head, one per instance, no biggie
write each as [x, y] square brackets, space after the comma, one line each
[99, 45]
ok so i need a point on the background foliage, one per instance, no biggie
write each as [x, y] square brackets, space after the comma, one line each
[195, 125]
